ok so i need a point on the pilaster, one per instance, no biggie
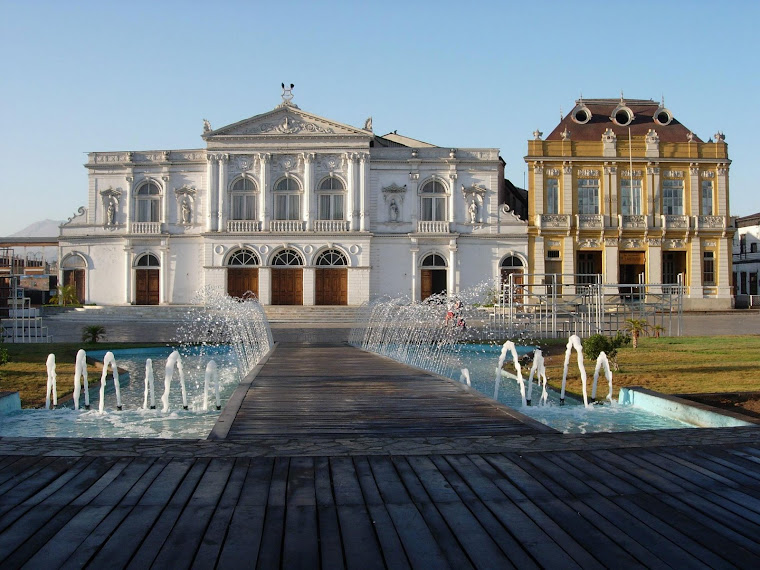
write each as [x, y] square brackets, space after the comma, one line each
[453, 272]
[309, 283]
[164, 218]
[222, 190]
[721, 208]
[695, 269]
[128, 201]
[415, 250]
[654, 261]
[363, 198]
[264, 195]
[695, 192]
[567, 189]
[308, 191]
[350, 191]
[128, 274]
[211, 180]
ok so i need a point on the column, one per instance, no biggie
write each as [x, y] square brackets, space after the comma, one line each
[612, 186]
[694, 274]
[721, 206]
[128, 202]
[128, 274]
[164, 218]
[264, 193]
[654, 263]
[610, 261]
[211, 180]
[415, 289]
[309, 283]
[693, 209]
[451, 284]
[222, 190]
[308, 188]
[723, 269]
[351, 158]
[655, 209]
[163, 257]
[538, 189]
[363, 199]
[568, 265]
[453, 185]
[567, 190]
[265, 285]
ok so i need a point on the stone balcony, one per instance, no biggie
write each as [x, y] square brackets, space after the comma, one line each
[589, 221]
[717, 223]
[553, 221]
[674, 222]
[287, 226]
[146, 228]
[427, 227]
[331, 226]
[243, 226]
[633, 222]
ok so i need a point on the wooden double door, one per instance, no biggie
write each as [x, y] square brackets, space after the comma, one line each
[147, 286]
[287, 286]
[243, 282]
[331, 286]
[432, 282]
[76, 278]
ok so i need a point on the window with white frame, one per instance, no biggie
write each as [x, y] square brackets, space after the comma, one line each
[433, 202]
[707, 198]
[331, 192]
[588, 196]
[243, 202]
[708, 268]
[287, 200]
[148, 202]
[672, 197]
[630, 196]
[552, 196]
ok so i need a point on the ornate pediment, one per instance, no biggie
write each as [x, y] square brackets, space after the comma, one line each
[284, 121]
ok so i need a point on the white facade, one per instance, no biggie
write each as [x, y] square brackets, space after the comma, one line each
[291, 191]
[746, 257]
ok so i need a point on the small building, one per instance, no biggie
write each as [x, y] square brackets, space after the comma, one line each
[622, 189]
[295, 209]
[746, 250]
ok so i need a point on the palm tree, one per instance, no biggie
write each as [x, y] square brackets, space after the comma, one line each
[658, 330]
[67, 295]
[93, 333]
[636, 327]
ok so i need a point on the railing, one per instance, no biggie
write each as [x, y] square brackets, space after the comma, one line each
[146, 228]
[589, 221]
[331, 225]
[243, 226]
[673, 222]
[286, 226]
[710, 222]
[427, 227]
[635, 221]
[553, 221]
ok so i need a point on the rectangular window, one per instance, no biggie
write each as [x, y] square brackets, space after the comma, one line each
[708, 268]
[552, 196]
[331, 207]
[243, 207]
[147, 210]
[672, 197]
[588, 196]
[630, 197]
[286, 207]
[434, 209]
[707, 198]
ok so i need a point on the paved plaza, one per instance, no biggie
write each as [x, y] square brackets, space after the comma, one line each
[330, 457]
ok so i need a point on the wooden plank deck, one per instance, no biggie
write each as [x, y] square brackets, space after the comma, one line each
[677, 499]
[332, 390]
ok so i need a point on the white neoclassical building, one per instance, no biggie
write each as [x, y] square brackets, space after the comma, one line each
[295, 208]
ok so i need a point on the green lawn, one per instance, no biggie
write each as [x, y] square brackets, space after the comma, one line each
[26, 372]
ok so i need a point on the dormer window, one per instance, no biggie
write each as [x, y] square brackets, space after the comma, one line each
[622, 115]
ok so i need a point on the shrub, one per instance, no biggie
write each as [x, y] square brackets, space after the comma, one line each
[93, 333]
[597, 343]
[4, 356]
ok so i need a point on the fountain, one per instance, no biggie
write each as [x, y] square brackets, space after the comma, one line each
[80, 372]
[539, 370]
[212, 373]
[602, 361]
[149, 387]
[464, 377]
[109, 360]
[51, 382]
[174, 361]
[510, 348]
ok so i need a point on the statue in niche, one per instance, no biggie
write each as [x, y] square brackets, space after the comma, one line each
[186, 212]
[393, 210]
[111, 213]
[473, 211]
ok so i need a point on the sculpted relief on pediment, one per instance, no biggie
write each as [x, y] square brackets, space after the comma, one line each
[285, 122]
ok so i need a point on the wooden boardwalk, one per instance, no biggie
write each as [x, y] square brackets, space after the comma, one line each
[678, 499]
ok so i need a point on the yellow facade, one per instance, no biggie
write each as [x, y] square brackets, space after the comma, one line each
[631, 209]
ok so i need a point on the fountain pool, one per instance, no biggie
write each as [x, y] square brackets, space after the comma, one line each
[133, 420]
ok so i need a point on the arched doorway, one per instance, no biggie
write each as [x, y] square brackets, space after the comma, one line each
[433, 276]
[243, 274]
[287, 278]
[147, 279]
[331, 278]
[512, 265]
[74, 274]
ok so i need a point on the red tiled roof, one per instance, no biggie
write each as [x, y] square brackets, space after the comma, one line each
[601, 109]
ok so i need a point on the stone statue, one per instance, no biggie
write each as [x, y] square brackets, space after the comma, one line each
[473, 211]
[206, 126]
[186, 212]
[368, 124]
[394, 210]
[111, 213]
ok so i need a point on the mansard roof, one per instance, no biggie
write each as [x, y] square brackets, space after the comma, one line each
[644, 111]
[285, 120]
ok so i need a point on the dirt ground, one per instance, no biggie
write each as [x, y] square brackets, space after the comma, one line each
[747, 403]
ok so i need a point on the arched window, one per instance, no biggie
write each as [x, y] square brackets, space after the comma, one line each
[433, 201]
[243, 202]
[434, 260]
[331, 193]
[287, 199]
[148, 202]
[287, 257]
[243, 257]
[147, 260]
[512, 262]
[73, 261]
[331, 258]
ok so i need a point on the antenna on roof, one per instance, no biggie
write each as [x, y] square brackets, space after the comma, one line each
[622, 99]
[561, 115]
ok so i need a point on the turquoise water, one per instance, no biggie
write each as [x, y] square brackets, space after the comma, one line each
[482, 360]
[133, 421]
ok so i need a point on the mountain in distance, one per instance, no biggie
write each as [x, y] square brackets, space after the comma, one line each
[43, 228]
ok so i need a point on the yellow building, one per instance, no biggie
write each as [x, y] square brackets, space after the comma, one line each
[622, 189]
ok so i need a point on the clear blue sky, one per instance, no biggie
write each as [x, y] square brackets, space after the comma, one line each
[97, 76]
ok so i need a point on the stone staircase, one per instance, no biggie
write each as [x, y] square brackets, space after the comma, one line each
[173, 313]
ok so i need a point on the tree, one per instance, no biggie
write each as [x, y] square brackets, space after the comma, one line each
[636, 327]
[658, 330]
[93, 333]
[67, 295]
